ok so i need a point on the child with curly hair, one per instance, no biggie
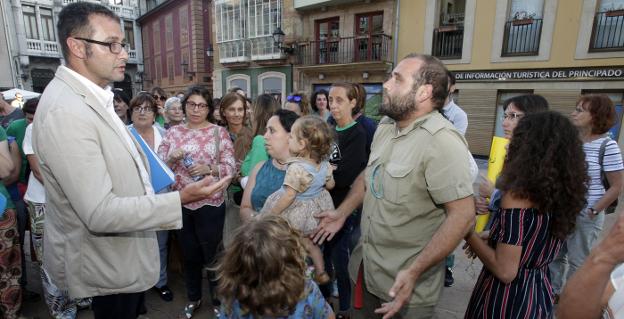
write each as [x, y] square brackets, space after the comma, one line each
[308, 177]
[262, 274]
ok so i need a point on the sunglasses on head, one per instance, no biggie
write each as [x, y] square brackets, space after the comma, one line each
[293, 98]
[158, 97]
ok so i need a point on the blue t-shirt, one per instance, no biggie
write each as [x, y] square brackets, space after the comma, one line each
[313, 306]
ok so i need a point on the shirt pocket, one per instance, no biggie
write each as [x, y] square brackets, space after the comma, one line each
[396, 182]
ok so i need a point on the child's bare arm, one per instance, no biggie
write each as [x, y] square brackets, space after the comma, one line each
[329, 185]
[287, 198]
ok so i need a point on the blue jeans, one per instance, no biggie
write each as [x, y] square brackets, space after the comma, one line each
[576, 249]
[163, 237]
[337, 253]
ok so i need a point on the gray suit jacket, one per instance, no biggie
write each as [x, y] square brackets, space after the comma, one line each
[100, 225]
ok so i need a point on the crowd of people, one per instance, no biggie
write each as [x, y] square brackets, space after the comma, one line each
[287, 206]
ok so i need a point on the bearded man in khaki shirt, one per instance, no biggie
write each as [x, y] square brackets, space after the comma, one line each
[417, 195]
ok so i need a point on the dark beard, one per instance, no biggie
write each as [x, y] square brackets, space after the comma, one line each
[398, 108]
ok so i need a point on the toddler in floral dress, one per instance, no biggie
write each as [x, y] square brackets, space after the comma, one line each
[308, 177]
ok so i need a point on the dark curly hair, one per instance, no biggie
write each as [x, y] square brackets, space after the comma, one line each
[601, 109]
[317, 135]
[545, 164]
[263, 268]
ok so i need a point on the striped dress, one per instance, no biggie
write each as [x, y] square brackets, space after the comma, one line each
[529, 295]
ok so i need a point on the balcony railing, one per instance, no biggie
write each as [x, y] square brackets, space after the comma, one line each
[522, 37]
[263, 48]
[123, 11]
[43, 48]
[608, 31]
[448, 42]
[361, 48]
[452, 18]
[234, 51]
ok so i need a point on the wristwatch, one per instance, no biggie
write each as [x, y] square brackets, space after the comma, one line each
[592, 211]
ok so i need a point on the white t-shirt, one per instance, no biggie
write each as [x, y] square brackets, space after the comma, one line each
[35, 192]
[612, 162]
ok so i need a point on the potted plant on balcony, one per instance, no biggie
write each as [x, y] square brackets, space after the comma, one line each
[615, 12]
[522, 18]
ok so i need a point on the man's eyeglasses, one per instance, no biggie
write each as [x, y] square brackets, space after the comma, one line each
[146, 110]
[512, 116]
[114, 47]
[193, 105]
[294, 98]
[158, 97]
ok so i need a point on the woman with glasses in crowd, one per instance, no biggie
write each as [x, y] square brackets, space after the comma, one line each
[160, 97]
[298, 103]
[173, 112]
[194, 150]
[594, 116]
[514, 109]
[143, 109]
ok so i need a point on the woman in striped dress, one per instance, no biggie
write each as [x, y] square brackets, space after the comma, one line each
[538, 211]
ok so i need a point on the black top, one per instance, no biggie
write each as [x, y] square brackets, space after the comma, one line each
[350, 157]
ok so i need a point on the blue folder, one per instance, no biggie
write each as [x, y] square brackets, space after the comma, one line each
[3, 204]
[160, 174]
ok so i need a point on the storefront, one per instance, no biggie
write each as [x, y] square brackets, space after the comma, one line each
[482, 94]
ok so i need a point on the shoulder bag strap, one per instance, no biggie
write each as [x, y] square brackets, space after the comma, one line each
[217, 149]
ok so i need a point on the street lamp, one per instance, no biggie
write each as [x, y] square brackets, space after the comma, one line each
[209, 51]
[278, 40]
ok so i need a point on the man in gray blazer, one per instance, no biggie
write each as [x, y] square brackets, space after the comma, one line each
[102, 213]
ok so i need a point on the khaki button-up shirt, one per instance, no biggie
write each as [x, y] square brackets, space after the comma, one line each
[411, 173]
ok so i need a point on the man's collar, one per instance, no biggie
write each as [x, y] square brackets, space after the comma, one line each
[416, 123]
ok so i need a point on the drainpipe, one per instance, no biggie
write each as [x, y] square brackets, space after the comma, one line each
[395, 58]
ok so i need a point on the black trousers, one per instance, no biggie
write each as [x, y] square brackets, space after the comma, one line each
[201, 237]
[118, 306]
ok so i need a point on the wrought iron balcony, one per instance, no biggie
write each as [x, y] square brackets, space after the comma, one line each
[608, 31]
[448, 42]
[522, 37]
[353, 49]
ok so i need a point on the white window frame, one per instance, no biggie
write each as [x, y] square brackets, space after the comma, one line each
[261, 38]
[546, 39]
[231, 37]
[584, 36]
[272, 74]
[244, 77]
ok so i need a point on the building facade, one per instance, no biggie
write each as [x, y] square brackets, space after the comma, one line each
[247, 56]
[501, 48]
[345, 41]
[177, 44]
[325, 42]
[33, 52]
